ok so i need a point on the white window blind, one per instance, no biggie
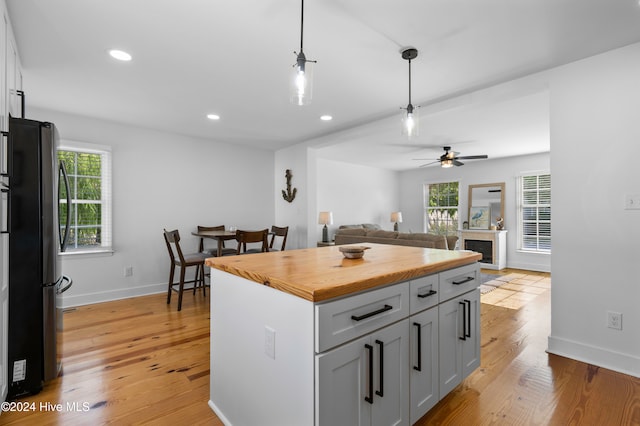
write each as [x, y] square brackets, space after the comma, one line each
[534, 212]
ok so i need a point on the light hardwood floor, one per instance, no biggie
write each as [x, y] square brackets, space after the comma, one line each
[138, 361]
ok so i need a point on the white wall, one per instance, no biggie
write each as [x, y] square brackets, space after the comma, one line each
[355, 194]
[162, 180]
[595, 150]
[293, 214]
[477, 172]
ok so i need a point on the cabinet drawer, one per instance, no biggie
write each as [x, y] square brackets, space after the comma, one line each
[342, 320]
[423, 293]
[456, 281]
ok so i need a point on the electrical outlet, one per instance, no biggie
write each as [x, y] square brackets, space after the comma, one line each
[128, 271]
[270, 342]
[632, 202]
[614, 320]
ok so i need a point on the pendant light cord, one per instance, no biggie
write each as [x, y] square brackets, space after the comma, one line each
[301, 23]
[409, 81]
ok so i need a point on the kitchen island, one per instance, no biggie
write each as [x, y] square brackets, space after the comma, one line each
[307, 337]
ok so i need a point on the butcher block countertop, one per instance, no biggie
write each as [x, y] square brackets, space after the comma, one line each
[322, 273]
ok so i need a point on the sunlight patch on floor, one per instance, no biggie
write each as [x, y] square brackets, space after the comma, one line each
[515, 290]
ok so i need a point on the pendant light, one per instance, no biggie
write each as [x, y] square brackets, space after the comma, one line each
[302, 75]
[410, 119]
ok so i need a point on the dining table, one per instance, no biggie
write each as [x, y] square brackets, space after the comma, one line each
[220, 236]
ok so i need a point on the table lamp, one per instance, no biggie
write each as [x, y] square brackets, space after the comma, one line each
[396, 217]
[325, 218]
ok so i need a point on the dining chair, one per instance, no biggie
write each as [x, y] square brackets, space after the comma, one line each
[213, 251]
[252, 237]
[183, 261]
[279, 232]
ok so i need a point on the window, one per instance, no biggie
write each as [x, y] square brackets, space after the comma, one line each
[534, 213]
[89, 172]
[441, 208]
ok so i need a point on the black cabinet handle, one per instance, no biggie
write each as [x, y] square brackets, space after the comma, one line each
[370, 314]
[20, 94]
[427, 294]
[468, 303]
[369, 398]
[466, 280]
[464, 321]
[5, 167]
[380, 344]
[419, 366]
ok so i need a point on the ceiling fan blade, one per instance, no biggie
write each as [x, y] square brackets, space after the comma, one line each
[425, 159]
[417, 147]
[473, 157]
[428, 164]
[457, 163]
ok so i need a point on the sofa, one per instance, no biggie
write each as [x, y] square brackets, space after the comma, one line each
[367, 233]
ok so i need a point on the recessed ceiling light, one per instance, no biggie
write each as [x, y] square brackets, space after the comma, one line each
[326, 118]
[120, 55]
[213, 116]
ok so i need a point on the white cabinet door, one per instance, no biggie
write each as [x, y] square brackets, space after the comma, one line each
[390, 405]
[365, 382]
[14, 79]
[4, 103]
[450, 333]
[342, 379]
[424, 362]
[471, 344]
[459, 339]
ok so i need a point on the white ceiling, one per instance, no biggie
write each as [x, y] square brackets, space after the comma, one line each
[234, 58]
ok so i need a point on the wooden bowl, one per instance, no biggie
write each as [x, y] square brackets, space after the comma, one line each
[353, 252]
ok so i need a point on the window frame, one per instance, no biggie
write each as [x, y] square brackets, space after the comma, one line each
[106, 196]
[425, 207]
[521, 204]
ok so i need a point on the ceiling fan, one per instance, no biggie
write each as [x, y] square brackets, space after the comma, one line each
[450, 158]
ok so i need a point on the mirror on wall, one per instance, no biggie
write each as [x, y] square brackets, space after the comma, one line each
[487, 195]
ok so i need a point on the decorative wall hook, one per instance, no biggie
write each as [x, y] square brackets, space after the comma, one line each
[289, 195]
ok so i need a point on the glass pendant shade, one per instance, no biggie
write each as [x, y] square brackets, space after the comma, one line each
[446, 164]
[301, 81]
[410, 121]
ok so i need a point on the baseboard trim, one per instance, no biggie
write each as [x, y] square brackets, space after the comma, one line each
[111, 295]
[529, 266]
[216, 410]
[601, 357]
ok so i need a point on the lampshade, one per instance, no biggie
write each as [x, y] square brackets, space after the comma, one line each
[325, 218]
[396, 217]
[302, 81]
[446, 163]
[410, 121]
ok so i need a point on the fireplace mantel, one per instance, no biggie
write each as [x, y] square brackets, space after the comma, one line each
[498, 241]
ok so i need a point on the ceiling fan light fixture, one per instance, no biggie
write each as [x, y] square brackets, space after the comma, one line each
[301, 85]
[446, 163]
[410, 117]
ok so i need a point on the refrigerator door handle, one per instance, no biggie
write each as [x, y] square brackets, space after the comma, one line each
[65, 288]
[64, 240]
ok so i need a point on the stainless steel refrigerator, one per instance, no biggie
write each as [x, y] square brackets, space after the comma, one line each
[35, 280]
